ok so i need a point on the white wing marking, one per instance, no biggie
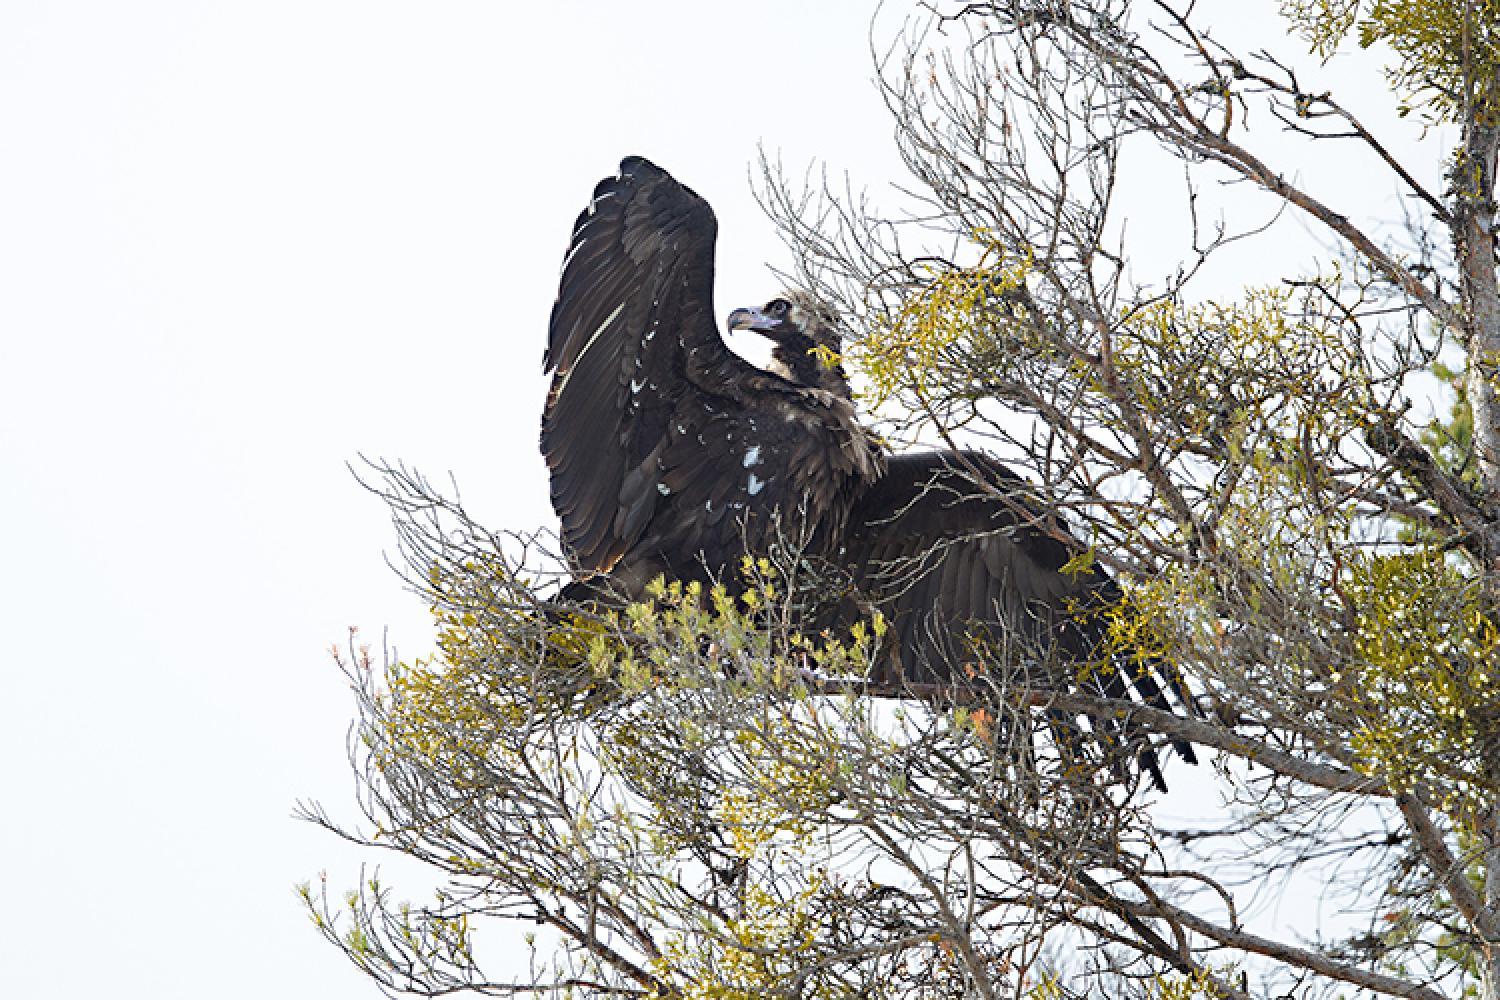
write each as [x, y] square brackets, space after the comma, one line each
[602, 327]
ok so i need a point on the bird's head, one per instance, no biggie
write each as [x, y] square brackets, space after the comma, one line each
[806, 334]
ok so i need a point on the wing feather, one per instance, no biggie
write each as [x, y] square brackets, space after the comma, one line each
[632, 322]
[952, 545]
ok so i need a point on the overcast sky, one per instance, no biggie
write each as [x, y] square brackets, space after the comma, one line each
[241, 243]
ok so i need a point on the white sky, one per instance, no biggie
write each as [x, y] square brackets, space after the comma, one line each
[239, 244]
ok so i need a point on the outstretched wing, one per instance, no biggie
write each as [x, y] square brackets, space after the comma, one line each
[633, 321]
[958, 555]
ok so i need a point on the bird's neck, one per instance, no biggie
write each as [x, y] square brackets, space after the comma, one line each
[797, 361]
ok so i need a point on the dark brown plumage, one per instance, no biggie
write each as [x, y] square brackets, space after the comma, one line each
[971, 571]
[671, 455]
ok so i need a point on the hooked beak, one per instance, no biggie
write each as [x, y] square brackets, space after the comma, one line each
[750, 319]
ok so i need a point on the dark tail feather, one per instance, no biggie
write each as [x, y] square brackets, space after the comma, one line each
[1144, 678]
[1116, 734]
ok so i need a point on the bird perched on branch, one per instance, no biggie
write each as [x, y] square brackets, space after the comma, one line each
[671, 455]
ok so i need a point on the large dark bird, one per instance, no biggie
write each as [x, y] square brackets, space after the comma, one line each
[669, 454]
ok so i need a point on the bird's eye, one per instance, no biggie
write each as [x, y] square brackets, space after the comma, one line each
[778, 307]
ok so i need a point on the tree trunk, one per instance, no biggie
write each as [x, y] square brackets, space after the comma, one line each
[1474, 185]
[1474, 231]
[1489, 954]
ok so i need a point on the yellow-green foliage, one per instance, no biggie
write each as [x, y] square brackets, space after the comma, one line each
[957, 307]
[1048, 987]
[1447, 50]
[1200, 985]
[370, 926]
[451, 718]
[1287, 367]
[1268, 390]
[484, 614]
[778, 756]
[1417, 685]
[1426, 671]
[751, 956]
[1147, 625]
[1324, 23]
[787, 780]
[504, 671]
[750, 630]
[498, 664]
